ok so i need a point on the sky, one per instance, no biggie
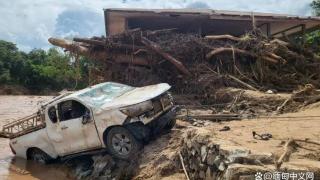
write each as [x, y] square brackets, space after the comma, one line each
[29, 23]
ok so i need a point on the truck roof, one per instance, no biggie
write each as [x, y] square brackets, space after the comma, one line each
[98, 94]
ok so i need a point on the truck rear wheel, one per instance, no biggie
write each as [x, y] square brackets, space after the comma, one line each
[121, 143]
[39, 156]
[170, 124]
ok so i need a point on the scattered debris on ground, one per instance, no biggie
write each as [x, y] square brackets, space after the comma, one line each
[160, 158]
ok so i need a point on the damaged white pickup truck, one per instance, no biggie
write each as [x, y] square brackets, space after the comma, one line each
[111, 116]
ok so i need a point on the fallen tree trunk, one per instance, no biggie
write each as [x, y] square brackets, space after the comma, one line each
[90, 41]
[156, 48]
[75, 47]
[241, 51]
[226, 36]
[70, 46]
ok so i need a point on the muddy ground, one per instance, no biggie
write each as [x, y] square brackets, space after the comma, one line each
[159, 159]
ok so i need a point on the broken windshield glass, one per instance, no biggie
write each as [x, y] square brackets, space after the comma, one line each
[103, 93]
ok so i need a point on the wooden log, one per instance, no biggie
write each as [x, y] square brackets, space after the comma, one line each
[242, 83]
[107, 43]
[90, 41]
[288, 150]
[156, 48]
[161, 31]
[225, 49]
[76, 47]
[124, 46]
[69, 45]
[240, 51]
[276, 57]
[226, 36]
[278, 41]
[184, 167]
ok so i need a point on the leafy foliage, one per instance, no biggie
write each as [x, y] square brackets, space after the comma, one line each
[316, 7]
[41, 70]
[313, 38]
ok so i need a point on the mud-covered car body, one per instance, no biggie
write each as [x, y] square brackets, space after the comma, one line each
[78, 122]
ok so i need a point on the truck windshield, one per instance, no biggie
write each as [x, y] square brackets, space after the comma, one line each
[102, 93]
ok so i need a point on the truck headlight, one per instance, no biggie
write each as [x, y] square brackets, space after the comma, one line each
[137, 109]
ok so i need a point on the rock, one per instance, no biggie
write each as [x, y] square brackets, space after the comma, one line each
[217, 161]
[222, 166]
[193, 152]
[210, 158]
[202, 174]
[196, 146]
[269, 92]
[208, 174]
[189, 143]
[202, 139]
[203, 153]
[203, 166]
[206, 123]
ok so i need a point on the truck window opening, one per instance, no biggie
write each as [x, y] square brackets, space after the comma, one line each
[71, 110]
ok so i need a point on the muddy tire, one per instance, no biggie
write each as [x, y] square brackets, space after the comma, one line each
[121, 143]
[39, 156]
[170, 124]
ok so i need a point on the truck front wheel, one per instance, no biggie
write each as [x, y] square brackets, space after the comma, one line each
[39, 156]
[121, 143]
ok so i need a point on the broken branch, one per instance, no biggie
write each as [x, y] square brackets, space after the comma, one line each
[241, 51]
[288, 150]
[183, 166]
[243, 83]
[226, 36]
[153, 46]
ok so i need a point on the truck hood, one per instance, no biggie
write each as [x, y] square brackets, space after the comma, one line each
[135, 96]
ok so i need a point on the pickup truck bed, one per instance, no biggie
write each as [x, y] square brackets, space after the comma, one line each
[23, 126]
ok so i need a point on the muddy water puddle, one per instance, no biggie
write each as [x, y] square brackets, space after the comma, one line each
[13, 168]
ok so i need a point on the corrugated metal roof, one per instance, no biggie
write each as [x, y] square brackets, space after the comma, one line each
[216, 13]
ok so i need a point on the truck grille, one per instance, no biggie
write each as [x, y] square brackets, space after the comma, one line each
[162, 102]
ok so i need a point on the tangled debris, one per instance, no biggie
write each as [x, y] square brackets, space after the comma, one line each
[197, 65]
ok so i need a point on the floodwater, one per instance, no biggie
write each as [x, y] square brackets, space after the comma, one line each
[13, 168]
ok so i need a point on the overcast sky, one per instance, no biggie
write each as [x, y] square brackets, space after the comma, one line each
[29, 23]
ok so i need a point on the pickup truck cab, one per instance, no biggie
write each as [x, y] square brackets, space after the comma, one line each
[111, 116]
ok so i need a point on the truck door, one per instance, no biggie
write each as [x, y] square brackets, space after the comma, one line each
[76, 128]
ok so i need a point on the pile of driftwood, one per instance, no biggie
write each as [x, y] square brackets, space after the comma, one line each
[197, 65]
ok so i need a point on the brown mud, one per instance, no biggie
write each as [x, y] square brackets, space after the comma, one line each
[159, 159]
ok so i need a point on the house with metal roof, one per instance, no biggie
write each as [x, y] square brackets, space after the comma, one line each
[207, 22]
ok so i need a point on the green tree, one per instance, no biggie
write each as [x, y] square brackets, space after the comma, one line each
[41, 70]
[313, 38]
[316, 7]
[11, 63]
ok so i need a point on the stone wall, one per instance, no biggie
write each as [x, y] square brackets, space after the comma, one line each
[208, 158]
